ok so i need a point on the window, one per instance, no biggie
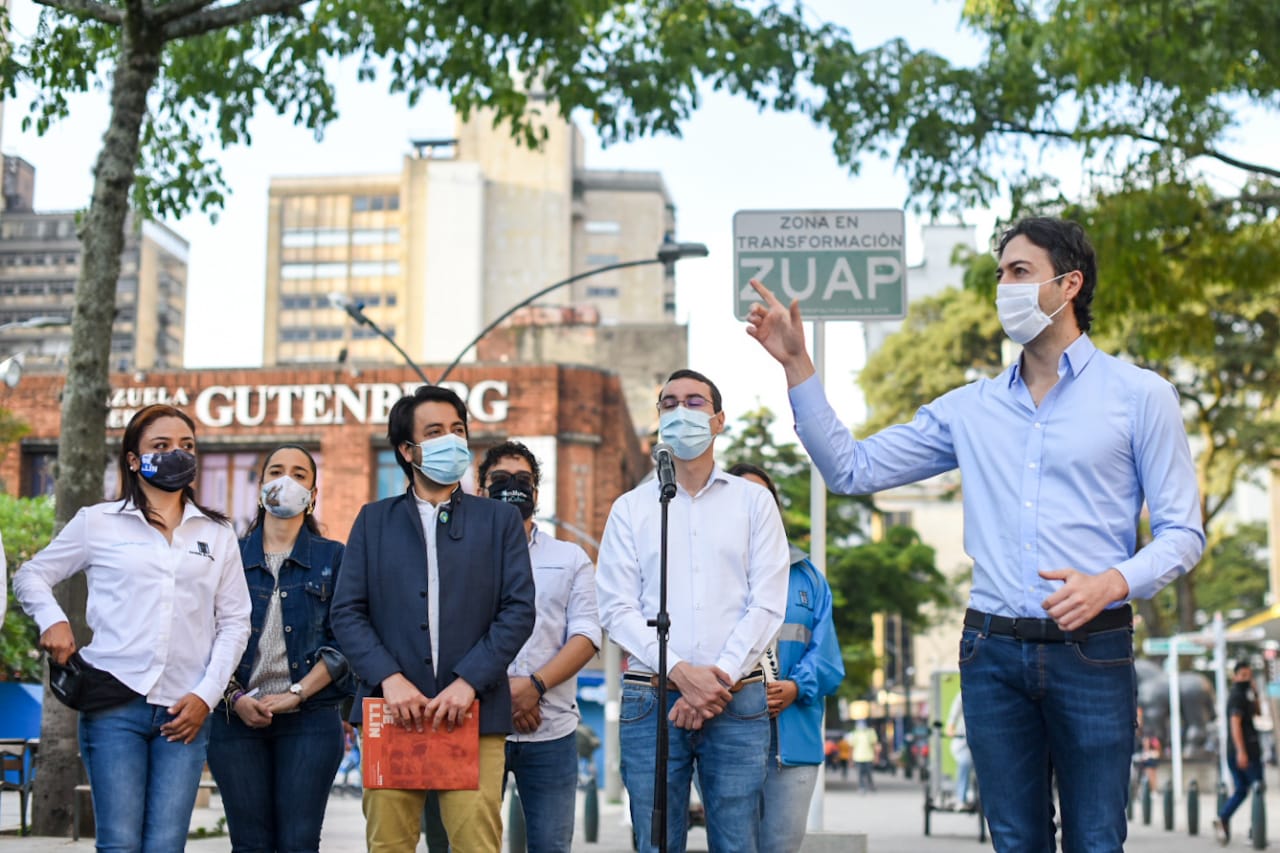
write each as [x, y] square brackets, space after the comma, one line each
[601, 260]
[390, 476]
[602, 226]
[293, 334]
[300, 271]
[375, 236]
[359, 203]
[602, 293]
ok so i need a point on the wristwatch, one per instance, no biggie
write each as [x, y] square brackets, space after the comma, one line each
[296, 690]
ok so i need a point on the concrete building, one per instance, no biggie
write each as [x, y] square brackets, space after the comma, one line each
[469, 227]
[40, 265]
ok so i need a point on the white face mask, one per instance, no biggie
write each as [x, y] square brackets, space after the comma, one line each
[1018, 306]
[285, 497]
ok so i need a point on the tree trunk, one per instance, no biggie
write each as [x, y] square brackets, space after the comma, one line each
[82, 443]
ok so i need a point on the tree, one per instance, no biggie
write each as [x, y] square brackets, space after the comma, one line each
[28, 526]
[186, 76]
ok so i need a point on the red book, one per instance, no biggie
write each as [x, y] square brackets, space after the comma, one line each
[411, 760]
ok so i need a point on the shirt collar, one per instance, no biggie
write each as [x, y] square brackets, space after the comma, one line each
[189, 510]
[1074, 359]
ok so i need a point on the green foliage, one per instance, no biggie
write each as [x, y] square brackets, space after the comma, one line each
[1232, 576]
[28, 526]
[897, 575]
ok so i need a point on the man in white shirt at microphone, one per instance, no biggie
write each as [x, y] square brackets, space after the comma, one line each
[727, 565]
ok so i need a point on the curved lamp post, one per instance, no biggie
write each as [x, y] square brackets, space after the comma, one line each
[667, 255]
[11, 367]
[355, 310]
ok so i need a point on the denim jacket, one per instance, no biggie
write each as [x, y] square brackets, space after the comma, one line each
[307, 579]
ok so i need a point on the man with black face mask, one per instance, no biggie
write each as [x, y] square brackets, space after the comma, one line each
[544, 675]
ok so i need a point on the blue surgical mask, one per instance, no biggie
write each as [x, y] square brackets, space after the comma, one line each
[688, 431]
[445, 459]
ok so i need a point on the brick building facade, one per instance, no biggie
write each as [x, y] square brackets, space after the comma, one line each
[574, 419]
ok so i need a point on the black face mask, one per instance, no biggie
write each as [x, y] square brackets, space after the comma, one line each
[504, 487]
[169, 472]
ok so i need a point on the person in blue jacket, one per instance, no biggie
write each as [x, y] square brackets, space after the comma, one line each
[804, 667]
[277, 737]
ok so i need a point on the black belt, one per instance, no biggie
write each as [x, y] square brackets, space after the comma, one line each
[1046, 630]
[652, 680]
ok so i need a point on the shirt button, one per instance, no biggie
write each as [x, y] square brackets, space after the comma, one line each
[424, 626]
[1027, 546]
[1028, 504]
[284, 594]
[288, 629]
[295, 666]
[422, 593]
[1037, 425]
[1031, 465]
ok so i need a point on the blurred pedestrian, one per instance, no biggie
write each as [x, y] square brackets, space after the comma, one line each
[864, 748]
[1244, 750]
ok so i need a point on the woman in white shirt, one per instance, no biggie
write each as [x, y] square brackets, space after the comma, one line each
[169, 611]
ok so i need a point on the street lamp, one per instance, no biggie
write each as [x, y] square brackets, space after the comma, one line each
[668, 253]
[11, 367]
[355, 310]
[36, 322]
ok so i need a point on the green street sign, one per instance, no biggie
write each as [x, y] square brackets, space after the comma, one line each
[1160, 646]
[840, 264]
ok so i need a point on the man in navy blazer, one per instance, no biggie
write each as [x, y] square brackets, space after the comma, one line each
[434, 600]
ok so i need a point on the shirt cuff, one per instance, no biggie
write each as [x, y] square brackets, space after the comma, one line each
[47, 616]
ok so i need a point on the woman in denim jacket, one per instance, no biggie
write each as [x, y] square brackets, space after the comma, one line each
[277, 743]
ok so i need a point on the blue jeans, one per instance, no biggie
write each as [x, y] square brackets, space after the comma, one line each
[729, 751]
[787, 792]
[1243, 781]
[1031, 706]
[275, 781]
[144, 786]
[547, 779]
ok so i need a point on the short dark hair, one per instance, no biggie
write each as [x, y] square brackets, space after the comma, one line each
[686, 373]
[508, 448]
[743, 468]
[400, 421]
[1242, 664]
[1069, 250]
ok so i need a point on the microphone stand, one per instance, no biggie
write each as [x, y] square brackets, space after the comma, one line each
[662, 623]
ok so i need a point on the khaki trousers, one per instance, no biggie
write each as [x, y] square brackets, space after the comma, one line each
[393, 818]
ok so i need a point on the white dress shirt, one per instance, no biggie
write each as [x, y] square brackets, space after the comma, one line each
[168, 618]
[429, 513]
[566, 601]
[727, 571]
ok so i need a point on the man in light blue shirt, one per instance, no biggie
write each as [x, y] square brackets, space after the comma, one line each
[1058, 455]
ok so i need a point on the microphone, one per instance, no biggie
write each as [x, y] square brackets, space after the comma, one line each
[665, 458]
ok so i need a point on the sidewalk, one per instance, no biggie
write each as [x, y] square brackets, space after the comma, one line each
[892, 818]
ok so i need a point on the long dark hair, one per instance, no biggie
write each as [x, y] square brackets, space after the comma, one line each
[744, 468]
[131, 490]
[310, 521]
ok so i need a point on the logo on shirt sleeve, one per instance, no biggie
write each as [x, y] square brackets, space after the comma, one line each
[202, 550]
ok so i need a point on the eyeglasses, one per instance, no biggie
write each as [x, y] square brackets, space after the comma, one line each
[501, 479]
[693, 401]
